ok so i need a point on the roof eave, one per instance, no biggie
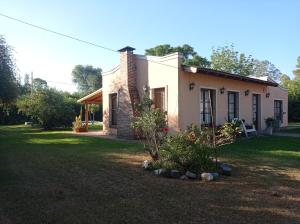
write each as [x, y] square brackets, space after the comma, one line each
[194, 69]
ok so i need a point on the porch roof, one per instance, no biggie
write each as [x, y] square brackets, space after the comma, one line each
[227, 75]
[92, 98]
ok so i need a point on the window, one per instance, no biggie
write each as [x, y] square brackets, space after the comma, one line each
[158, 96]
[232, 105]
[255, 110]
[207, 106]
[278, 110]
[113, 109]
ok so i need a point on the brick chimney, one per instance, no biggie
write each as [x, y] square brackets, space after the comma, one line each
[128, 94]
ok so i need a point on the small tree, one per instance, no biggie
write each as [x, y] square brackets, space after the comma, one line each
[150, 126]
[48, 108]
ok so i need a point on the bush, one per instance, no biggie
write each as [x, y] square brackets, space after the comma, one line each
[48, 108]
[187, 152]
[150, 126]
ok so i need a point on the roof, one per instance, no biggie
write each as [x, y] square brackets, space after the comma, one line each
[94, 97]
[228, 75]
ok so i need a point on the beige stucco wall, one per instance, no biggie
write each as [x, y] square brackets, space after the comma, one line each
[151, 72]
[112, 81]
[189, 110]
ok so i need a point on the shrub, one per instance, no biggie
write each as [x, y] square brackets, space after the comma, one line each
[193, 150]
[150, 126]
[186, 151]
[48, 108]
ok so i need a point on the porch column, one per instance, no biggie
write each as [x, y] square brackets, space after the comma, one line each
[87, 116]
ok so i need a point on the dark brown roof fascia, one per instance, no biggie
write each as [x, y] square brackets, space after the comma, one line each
[228, 75]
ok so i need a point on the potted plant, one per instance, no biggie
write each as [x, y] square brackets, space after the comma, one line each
[77, 125]
[270, 123]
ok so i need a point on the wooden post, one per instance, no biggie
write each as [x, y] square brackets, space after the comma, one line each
[87, 116]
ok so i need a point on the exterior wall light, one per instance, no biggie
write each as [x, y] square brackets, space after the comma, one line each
[247, 92]
[191, 86]
[222, 90]
[267, 95]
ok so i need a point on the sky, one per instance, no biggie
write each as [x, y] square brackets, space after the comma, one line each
[266, 29]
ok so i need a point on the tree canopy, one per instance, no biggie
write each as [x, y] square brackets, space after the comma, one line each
[49, 108]
[190, 56]
[87, 78]
[39, 83]
[266, 68]
[8, 83]
[229, 60]
[296, 72]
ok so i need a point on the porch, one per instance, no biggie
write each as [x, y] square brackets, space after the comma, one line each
[93, 98]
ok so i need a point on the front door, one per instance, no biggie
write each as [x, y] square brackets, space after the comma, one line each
[255, 109]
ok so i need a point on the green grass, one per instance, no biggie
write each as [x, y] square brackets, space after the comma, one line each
[293, 127]
[55, 177]
[95, 127]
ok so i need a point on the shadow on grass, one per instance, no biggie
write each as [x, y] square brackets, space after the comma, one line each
[57, 178]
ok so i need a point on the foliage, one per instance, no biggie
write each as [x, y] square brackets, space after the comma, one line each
[186, 151]
[87, 78]
[265, 68]
[9, 114]
[229, 60]
[8, 83]
[48, 108]
[193, 149]
[228, 132]
[150, 126]
[296, 72]
[94, 108]
[77, 123]
[293, 87]
[190, 56]
[39, 84]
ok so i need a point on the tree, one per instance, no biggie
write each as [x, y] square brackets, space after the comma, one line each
[190, 56]
[87, 78]
[93, 109]
[296, 72]
[8, 83]
[265, 68]
[49, 108]
[160, 50]
[39, 84]
[284, 79]
[229, 60]
[293, 87]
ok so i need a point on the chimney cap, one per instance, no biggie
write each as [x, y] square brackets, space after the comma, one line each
[127, 48]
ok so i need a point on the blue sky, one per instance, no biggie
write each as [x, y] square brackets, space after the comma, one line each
[265, 29]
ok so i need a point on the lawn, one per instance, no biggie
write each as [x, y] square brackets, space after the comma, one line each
[55, 177]
[293, 128]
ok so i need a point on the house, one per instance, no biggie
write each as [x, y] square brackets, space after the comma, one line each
[185, 92]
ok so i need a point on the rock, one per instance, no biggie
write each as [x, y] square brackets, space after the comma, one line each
[207, 176]
[190, 175]
[174, 173]
[225, 169]
[147, 164]
[160, 172]
[184, 177]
